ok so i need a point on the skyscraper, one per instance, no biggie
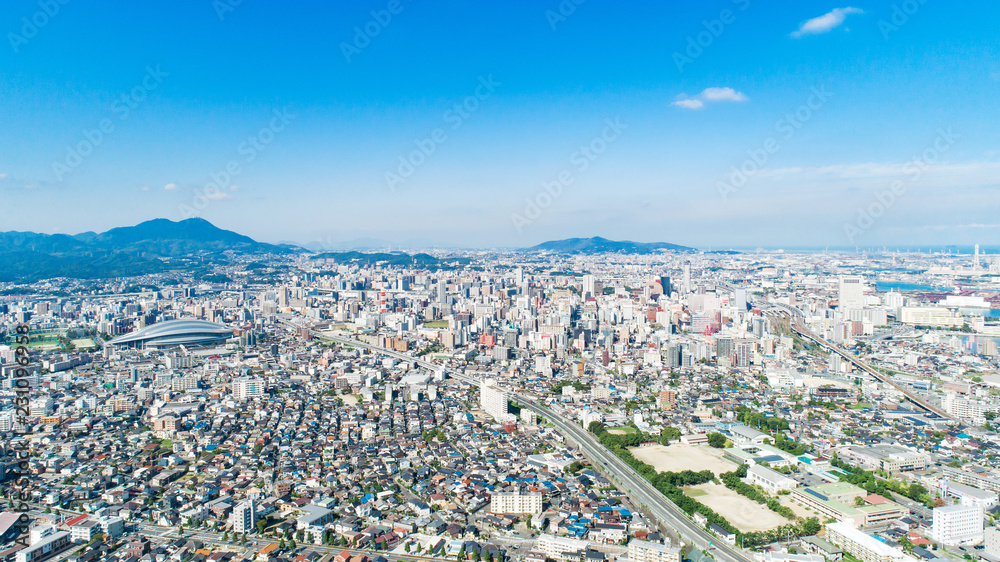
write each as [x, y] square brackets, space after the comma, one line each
[588, 285]
[665, 283]
[852, 292]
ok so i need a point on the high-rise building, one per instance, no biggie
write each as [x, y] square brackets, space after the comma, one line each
[665, 283]
[957, 524]
[588, 285]
[245, 388]
[244, 517]
[686, 270]
[852, 292]
[493, 400]
[740, 300]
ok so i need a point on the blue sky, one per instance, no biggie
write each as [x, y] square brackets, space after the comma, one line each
[283, 123]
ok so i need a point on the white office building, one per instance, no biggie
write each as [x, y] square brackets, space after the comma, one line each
[968, 495]
[852, 292]
[957, 524]
[493, 400]
[245, 388]
[862, 545]
[561, 548]
[516, 502]
[646, 551]
[771, 481]
[244, 517]
[992, 536]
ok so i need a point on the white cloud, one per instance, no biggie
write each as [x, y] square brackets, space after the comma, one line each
[723, 94]
[170, 186]
[3, 176]
[689, 104]
[145, 188]
[826, 22]
[710, 95]
[233, 187]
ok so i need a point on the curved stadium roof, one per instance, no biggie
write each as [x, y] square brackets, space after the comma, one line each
[176, 332]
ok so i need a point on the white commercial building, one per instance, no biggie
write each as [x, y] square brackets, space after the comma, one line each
[863, 546]
[516, 502]
[852, 292]
[245, 388]
[930, 316]
[968, 495]
[561, 548]
[957, 524]
[493, 400]
[771, 481]
[646, 551]
[992, 536]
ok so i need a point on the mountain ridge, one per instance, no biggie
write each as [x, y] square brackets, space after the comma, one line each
[598, 245]
[121, 251]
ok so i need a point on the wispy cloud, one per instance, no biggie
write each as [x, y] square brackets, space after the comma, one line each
[170, 186]
[722, 94]
[826, 22]
[710, 95]
[689, 104]
[983, 172]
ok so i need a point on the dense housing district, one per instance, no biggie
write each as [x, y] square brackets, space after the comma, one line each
[512, 406]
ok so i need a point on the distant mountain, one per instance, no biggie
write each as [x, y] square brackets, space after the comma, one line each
[598, 245]
[119, 252]
[168, 238]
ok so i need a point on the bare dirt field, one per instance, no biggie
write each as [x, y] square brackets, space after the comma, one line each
[816, 382]
[798, 508]
[680, 456]
[747, 515]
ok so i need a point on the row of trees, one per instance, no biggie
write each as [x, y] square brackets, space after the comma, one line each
[734, 481]
[882, 486]
[669, 484]
[662, 481]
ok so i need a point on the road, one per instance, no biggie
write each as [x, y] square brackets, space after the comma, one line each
[635, 486]
[160, 535]
[799, 328]
[910, 395]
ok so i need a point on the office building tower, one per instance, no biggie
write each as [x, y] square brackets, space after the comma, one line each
[493, 400]
[957, 524]
[665, 283]
[588, 286]
[852, 292]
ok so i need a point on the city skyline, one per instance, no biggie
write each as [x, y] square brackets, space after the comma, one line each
[855, 125]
